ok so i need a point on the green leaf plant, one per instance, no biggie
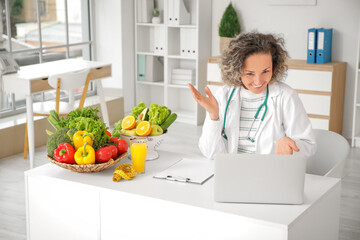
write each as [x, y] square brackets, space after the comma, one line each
[229, 26]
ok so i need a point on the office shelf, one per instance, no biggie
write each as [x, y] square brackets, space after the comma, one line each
[165, 43]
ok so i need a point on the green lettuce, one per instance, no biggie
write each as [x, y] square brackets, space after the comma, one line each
[95, 127]
[116, 131]
[158, 114]
[135, 111]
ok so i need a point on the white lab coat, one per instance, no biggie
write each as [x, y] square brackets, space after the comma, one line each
[285, 116]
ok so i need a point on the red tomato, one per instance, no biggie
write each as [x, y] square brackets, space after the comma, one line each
[108, 133]
[114, 151]
[114, 140]
[103, 155]
[122, 146]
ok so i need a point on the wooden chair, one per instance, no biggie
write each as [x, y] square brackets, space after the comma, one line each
[331, 154]
[68, 81]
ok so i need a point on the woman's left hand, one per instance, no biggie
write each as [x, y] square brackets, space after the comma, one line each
[286, 146]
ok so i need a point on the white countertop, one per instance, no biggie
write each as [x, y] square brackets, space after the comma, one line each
[316, 187]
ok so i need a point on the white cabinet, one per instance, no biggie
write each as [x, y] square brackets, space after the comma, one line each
[172, 53]
[61, 210]
[321, 88]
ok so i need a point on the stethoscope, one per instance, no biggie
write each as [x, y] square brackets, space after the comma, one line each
[264, 104]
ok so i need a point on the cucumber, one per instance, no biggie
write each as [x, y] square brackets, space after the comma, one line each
[169, 120]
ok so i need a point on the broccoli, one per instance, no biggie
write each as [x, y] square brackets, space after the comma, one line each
[60, 136]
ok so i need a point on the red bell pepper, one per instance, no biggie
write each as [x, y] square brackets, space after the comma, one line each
[108, 133]
[103, 155]
[64, 153]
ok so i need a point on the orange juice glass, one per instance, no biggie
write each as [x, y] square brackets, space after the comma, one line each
[138, 154]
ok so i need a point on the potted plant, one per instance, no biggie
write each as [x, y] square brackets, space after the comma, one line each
[229, 27]
[156, 16]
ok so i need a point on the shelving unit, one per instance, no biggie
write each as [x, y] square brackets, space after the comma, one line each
[355, 138]
[166, 41]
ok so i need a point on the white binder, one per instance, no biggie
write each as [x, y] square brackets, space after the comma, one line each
[188, 42]
[188, 170]
[177, 13]
[159, 40]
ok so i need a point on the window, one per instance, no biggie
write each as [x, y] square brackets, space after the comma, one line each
[37, 31]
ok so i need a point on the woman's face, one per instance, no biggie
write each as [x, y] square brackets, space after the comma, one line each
[257, 72]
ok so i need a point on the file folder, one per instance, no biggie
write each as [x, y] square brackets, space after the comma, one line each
[324, 44]
[141, 67]
[311, 45]
[188, 170]
[177, 13]
[159, 41]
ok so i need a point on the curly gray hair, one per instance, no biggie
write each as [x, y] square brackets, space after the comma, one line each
[247, 44]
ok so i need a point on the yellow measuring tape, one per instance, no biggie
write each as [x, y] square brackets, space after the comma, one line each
[125, 171]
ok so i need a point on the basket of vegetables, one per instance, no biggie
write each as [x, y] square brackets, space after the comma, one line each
[151, 123]
[81, 142]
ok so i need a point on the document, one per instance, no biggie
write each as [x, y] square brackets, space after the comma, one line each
[188, 170]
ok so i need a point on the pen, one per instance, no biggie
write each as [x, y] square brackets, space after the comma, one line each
[179, 179]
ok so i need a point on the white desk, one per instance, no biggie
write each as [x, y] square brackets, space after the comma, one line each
[33, 78]
[66, 205]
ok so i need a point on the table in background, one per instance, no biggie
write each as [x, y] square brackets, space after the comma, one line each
[66, 205]
[33, 78]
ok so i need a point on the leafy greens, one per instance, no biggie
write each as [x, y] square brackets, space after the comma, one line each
[158, 114]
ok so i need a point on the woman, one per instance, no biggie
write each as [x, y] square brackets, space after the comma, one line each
[252, 68]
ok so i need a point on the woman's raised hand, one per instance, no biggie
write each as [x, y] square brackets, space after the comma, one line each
[209, 103]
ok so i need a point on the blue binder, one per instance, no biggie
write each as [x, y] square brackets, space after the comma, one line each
[311, 45]
[324, 43]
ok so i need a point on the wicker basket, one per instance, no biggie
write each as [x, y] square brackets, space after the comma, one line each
[88, 167]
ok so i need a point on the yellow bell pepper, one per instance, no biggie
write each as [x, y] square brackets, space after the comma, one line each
[80, 137]
[85, 155]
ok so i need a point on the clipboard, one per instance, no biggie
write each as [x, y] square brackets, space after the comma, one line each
[189, 171]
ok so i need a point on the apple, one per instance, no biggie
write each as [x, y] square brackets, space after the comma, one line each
[156, 130]
[131, 132]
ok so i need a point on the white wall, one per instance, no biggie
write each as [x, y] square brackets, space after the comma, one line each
[107, 38]
[293, 22]
[114, 43]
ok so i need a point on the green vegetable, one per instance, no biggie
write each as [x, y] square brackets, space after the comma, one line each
[168, 121]
[60, 136]
[71, 133]
[116, 131]
[144, 116]
[87, 112]
[55, 120]
[135, 111]
[58, 123]
[157, 114]
[96, 127]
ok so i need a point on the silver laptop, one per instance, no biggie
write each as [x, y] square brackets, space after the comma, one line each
[257, 178]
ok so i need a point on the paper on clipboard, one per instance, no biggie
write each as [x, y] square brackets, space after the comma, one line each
[188, 170]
